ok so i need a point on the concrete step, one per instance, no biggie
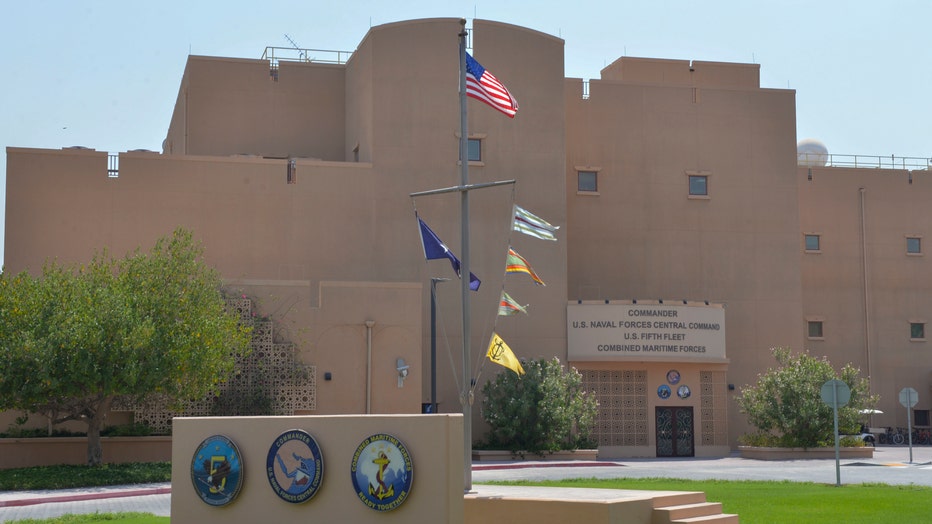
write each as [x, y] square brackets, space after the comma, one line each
[723, 518]
[691, 511]
[668, 514]
[678, 499]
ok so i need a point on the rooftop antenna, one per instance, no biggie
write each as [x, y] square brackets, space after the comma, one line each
[301, 53]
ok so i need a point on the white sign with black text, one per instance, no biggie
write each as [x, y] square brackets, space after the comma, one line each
[648, 332]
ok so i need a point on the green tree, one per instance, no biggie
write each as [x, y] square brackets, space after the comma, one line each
[543, 410]
[76, 337]
[786, 405]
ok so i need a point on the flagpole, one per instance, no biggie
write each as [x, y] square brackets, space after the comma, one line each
[466, 396]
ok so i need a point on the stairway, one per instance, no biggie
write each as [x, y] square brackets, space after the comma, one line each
[689, 508]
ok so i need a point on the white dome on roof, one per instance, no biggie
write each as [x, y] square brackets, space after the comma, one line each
[811, 152]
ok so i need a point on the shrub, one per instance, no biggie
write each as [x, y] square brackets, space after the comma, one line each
[544, 410]
[786, 405]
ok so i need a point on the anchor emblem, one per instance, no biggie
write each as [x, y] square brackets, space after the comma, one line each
[383, 491]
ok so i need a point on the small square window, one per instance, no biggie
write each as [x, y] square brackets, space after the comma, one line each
[815, 329]
[813, 242]
[917, 331]
[588, 181]
[474, 150]
[698, 185]
[920, 417]
[913, 245]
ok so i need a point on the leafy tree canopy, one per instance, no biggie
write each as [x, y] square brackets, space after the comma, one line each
[786, 405]
[76, 337]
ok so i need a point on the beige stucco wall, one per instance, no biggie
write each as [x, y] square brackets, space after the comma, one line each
[234, 106]
[642, 237]
[863, 217]
[434, 442]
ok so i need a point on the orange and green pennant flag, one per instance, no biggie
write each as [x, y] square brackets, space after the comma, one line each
[501, 354]
[508, 306]
[517, 264]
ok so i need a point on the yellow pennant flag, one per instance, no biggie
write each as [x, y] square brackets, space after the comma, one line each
[501, 354]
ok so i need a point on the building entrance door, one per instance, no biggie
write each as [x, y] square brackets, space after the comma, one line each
[675, 432]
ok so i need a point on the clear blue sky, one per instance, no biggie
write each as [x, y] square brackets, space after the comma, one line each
[105, 73]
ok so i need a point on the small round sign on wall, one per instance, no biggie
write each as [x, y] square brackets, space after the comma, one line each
[382, 472]
[295, 466]
[217, 470]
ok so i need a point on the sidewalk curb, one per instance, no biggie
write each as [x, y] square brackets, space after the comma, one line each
[523, 465]
[84, 496]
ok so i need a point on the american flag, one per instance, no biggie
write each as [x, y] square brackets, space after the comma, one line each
[482, 85]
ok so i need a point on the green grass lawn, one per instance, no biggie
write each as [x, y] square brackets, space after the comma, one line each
[788, 502]
[754, 501]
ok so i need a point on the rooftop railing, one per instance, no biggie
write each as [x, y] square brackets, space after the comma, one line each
[293, 54]
[864, 161]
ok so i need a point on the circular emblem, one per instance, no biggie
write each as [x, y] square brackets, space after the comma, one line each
[673, 376]
[683, 392]
[295, 466]
[382, 472]
[664, 391]
[217, 470]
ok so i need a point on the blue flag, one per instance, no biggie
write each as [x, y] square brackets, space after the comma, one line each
[434, 248]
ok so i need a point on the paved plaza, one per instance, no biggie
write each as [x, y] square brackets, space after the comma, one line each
[890, 465]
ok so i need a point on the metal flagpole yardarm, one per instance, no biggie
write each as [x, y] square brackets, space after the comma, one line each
[466, 395]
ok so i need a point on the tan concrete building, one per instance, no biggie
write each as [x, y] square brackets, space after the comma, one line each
[683, 221]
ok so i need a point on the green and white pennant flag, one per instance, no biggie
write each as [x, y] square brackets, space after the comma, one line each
[508, 306]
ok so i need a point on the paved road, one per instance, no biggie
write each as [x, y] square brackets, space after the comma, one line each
[890, 465]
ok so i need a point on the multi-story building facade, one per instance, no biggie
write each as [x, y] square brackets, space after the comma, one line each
[682, 248]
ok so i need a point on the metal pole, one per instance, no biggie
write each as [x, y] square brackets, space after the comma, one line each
[369, 324]
[433, 342]
[909, 422]
[464, 268]
[837, 452]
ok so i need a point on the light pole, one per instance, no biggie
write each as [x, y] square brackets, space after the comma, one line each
[433, 341]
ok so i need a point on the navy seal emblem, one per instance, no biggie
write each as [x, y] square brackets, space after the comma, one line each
[295, 466]
[217, 471]
[382, 472]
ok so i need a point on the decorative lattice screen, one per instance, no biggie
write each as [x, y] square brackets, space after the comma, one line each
[714, 408]
[271, 380]
[622, 396]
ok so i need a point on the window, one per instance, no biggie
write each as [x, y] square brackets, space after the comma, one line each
[473, 147]
[815, 329]
[917, 330]
[587, 181]
[698, 185]
[920, 417]
[474, 150]
[813, 242]
[913, 245]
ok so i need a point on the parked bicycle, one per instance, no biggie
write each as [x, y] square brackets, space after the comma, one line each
[892, 436]
[922, 437]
